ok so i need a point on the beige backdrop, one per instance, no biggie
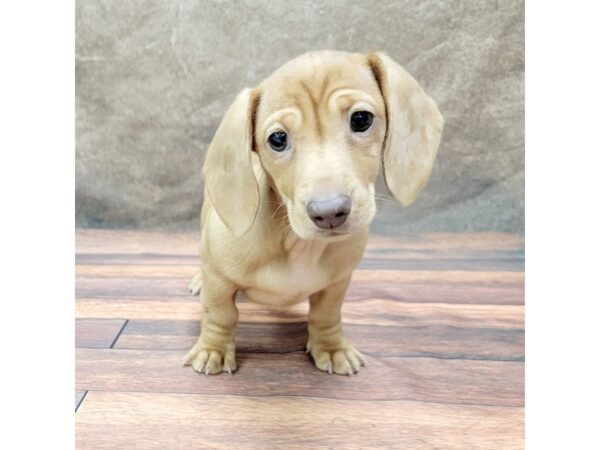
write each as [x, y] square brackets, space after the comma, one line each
[153, 79]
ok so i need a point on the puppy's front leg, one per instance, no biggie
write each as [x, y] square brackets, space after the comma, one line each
[326, 343]
[214, 352]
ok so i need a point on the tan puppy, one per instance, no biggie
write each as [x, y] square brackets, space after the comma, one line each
[289, 193]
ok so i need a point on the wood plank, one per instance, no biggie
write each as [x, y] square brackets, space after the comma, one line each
[131, 270]
[400, 277]
[178, 309]
[439, 341]
[132, 287]
[97, 333]
[434, 293]
[385, 378]
[457, 277]
[369, 311]
[149, 259]
[159, 421]
[506, 263]
[187, 243]
[137, 287]
[454, 277]
[88, 240]
[497, 264]
[437, 241]
[393, 251]
[78, 398]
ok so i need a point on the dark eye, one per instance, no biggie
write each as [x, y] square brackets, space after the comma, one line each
[278, 141]
[361, 121]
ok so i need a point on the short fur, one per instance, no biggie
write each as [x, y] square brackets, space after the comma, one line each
[256, 235]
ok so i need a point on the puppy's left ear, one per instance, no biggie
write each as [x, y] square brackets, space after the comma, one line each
[414, 129]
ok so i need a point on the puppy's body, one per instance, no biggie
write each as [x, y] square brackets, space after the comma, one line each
[270, 263]
[308, 139]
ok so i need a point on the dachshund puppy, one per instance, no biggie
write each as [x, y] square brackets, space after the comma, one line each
[289, 193]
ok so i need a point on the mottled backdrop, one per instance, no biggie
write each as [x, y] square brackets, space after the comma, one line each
[153, 79]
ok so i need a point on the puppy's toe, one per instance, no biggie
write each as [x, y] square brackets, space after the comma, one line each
[229, 364]
[196, 284]
[343, 361]
[199, 362]
[341, 364]
[355, 359]
[211, 361]
[323, 361]
[214, 364]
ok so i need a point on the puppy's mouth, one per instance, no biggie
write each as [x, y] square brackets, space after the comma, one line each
[334, 233]
[321, 234]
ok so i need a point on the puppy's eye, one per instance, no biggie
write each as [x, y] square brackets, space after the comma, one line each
[278, 141]
[361, 121]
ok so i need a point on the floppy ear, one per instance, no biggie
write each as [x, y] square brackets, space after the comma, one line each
[228, 176]
[414, 129]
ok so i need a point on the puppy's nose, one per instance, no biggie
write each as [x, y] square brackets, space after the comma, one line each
[331, 212]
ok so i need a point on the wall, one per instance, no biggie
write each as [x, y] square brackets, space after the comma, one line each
[153, 79]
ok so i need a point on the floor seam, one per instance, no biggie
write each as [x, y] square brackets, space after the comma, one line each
[119, 333]
[81, 400]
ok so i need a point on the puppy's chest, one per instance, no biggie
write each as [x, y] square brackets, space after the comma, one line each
[292, 277]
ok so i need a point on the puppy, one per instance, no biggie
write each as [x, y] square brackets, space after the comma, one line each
[289, 193]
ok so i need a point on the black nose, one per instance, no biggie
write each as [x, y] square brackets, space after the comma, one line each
[329, 213]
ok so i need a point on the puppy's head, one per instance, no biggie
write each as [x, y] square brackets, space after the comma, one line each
[320, 126]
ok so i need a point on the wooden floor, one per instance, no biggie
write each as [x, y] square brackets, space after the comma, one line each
[440, 318]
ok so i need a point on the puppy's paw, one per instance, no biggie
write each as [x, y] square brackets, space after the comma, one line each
[209, 360]
[196, 283]
[343, 359]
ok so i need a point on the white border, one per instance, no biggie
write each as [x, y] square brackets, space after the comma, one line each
[562, 225]
[37, 224]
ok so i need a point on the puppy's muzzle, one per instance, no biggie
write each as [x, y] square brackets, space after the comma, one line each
[329, 213]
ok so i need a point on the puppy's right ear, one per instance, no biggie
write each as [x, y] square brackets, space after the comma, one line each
[228, 176]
